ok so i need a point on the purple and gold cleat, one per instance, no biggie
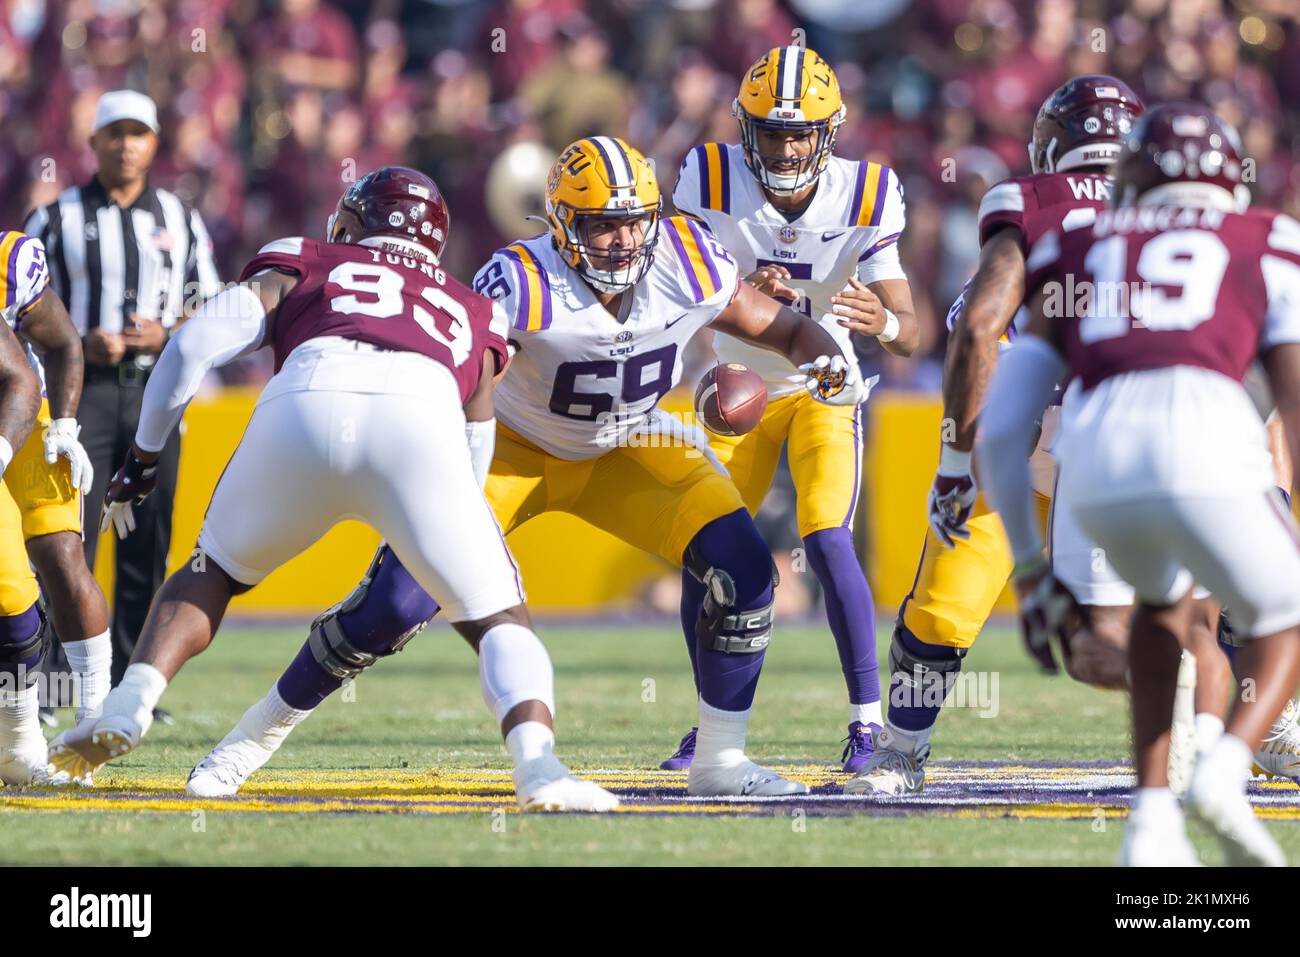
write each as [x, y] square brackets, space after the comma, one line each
[685, 754]
[859, 746]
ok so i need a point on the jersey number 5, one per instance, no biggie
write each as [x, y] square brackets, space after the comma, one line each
[381, 288]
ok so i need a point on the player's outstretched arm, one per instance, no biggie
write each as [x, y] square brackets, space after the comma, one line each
[766, 323]
[47, 326]
[233, 323]
[20, 391]
[995, 293]
[882, 309]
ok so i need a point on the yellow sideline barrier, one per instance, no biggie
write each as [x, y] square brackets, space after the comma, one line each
[568, 566]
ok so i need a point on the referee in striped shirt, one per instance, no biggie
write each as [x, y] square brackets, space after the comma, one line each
[130, 261]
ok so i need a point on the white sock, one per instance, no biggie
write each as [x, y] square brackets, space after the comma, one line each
[1209, 728]
[269, 721]
[513, 667]
[1229, 760]
[1155, 806]
[20, 723]
[91, 662]
[866, 713]
[721, 738]
[528, 741]
[910, 743]
[137, 695]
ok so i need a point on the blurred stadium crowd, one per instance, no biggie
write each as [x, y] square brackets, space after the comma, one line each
[269, 106]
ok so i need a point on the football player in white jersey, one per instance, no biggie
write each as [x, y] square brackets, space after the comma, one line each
[601, 308]
[51, 471]
[822, 232]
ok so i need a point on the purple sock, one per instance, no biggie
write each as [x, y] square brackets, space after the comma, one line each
[393, 604]
[731, 543]
[915, 706]
[18, 629]
[692, 602]
[849, 610]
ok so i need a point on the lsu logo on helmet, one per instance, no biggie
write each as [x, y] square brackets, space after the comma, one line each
[600, 178]
[789, 90]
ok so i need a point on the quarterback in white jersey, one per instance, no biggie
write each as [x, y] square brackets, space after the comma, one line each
[822, 232]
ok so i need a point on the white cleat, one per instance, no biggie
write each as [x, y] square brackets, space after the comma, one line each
[223, 772]
[85, 748]
[742, 779]
[545, 784]
[1279, 753]
[890, 772]
[1156, 847]
[1222, 806]
[25, 765]
[1182, 733]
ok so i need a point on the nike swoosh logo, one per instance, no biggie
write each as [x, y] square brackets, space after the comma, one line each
[677, 320]
[827, 237]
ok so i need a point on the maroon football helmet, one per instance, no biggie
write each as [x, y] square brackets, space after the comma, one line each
[1083, 123]
[1181, 143]
[392, 201]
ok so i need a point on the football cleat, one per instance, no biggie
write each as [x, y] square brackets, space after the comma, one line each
[82, 750]
[889, 770]
[741, 779]
[25, 764]
[859, 746]
[223, 772]
[1278, 755]
[545, 784]
[1156, 847]
[1222, 806]
[685, 753]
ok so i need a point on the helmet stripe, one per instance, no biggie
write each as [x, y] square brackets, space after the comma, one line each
[777, 72]
[615, 159]
[797, 89]
[790, 67]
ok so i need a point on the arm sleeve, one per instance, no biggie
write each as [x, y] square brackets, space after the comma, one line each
[229, 325]
[1022, 388]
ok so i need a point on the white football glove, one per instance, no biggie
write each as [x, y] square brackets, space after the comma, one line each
[677, 431]
[61, 439]
[834, 381]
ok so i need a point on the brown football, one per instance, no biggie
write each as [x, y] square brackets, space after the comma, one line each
[730, 399]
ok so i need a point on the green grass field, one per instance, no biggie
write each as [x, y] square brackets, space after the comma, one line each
[624, 698]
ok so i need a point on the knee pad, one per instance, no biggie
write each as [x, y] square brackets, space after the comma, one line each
[732, 622]
[25, 657]
[913, 661]
[377, 618]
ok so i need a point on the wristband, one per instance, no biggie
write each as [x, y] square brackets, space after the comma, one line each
[892, 327]
[6, 453]
[953, 462]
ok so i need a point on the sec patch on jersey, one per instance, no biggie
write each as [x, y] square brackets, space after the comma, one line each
[730, 399]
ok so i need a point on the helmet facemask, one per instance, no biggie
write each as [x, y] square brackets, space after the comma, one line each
[810, 166]
[613, 270]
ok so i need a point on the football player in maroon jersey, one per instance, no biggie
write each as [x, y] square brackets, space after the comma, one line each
[965, 562]
[1155, 312]
[384, 365]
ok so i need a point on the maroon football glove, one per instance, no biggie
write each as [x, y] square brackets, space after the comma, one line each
[129, 487]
